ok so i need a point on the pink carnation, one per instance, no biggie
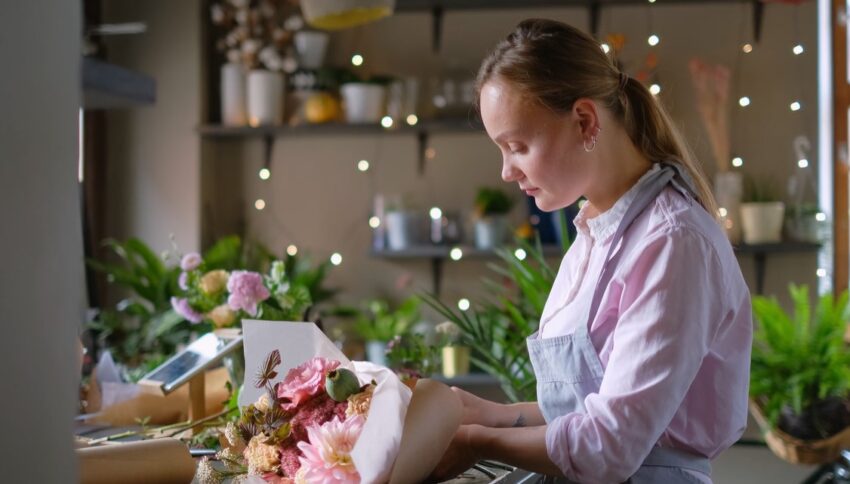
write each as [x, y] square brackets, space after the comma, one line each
[303, 381]
[191, 261]
[327, 457]
[182, 307]
[316, 411]
[246, 291]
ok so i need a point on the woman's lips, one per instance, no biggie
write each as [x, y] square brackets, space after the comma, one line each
[530, 191]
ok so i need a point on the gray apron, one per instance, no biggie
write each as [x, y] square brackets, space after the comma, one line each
[568, 369]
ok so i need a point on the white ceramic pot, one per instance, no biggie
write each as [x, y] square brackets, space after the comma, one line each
[233, 110]
[376, 352]
[491, 232]
[364, 103]
[406, 229]
[728, 190]
[265, 98]
[311, 47]
[762, 222]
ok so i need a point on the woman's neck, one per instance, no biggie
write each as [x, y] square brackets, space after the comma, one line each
[617, 166]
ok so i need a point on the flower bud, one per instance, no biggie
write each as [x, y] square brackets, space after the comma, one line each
[341, 383]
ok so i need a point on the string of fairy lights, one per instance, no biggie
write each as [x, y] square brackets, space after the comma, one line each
[742, 98]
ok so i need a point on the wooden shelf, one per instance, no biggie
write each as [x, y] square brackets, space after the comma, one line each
[443, 252]
[447, 125]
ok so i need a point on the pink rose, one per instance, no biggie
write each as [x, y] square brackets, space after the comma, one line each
[304, 381]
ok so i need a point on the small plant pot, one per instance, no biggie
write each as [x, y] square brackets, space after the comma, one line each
[311, 47]
[406, 229]
[803, 227]
[364, 103]
[376, 352]
[233, 109]
[762, 222]
[265, 98]
[491, 232]
[455, 361]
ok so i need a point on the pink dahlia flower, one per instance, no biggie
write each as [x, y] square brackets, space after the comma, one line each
[182, 307]
[246, 291]
[327, 457]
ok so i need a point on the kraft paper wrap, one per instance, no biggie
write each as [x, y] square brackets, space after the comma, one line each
[433, 417]
[161, 461]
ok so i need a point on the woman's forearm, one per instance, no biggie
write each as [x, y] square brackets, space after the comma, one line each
[521, 447]
[525, 414]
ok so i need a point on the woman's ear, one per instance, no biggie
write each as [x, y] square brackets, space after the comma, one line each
[584, 110]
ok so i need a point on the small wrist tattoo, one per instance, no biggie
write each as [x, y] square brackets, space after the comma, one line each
[520, 421]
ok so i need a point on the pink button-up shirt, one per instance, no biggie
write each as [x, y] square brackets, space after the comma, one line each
[673, 333]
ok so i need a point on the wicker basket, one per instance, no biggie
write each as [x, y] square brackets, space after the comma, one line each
[796, 451]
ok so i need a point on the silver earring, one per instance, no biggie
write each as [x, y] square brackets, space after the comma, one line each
[592, 146]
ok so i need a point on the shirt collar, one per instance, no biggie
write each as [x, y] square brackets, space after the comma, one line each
[603, 226]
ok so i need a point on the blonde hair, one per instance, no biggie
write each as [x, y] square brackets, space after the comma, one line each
[556, 64]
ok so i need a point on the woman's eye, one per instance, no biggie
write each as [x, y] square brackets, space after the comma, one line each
[514, 148]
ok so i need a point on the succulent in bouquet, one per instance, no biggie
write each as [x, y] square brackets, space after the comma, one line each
[222, 298]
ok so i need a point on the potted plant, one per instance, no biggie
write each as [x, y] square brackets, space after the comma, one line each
[406, 227]
[365, 101]
[378, 325]
[411, 357]
[761, 213]
[800, 376]
[455, 354]
[491, 224]
[802, 224]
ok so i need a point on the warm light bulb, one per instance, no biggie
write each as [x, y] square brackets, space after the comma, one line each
[387, 122]
[655, 89]
[820, 217]
[412, 119]
[357, 60]
[260, 204]
[798, 49]
[265, 174]
[747, 48]
[722, 211]
[606, 48]
[804, 163]
[336, 259]
[292, 250]
[520, 254]
[744, 101]
[436, 213]
[737, 162]
[363, 165]
[374, 222]
[795, 106]
[463, 304]
[456, 253]
[821, 272]
[653, 40]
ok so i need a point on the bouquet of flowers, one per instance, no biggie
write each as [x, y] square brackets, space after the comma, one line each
[302, 429]
[223, 298]
[258, 33]
[329, 420]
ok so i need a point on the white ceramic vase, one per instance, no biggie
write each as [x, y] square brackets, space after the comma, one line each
[265, 98]
[311, 46]
[364, 103]
[233, 110]
[491, 232]
[762, 222]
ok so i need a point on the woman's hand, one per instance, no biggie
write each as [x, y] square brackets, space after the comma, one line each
[476, 410]
[462, 454]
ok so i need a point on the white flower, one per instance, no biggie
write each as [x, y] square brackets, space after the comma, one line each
[289, 64]
[233, 55]
[241, 16]
[217, 14]
[206, 473]
[294, 22]
[250, 46]
[239, 3]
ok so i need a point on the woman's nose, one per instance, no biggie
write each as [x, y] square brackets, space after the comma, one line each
[509, 171]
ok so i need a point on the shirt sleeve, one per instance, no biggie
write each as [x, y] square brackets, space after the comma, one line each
[669, 307]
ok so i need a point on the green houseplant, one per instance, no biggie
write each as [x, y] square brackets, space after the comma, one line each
[378, 324]
[496, 329]
[800, 375]
[491, 224]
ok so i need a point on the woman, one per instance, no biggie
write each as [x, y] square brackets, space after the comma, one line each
[642, 354]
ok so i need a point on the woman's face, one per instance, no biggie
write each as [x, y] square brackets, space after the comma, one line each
[541, 150]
